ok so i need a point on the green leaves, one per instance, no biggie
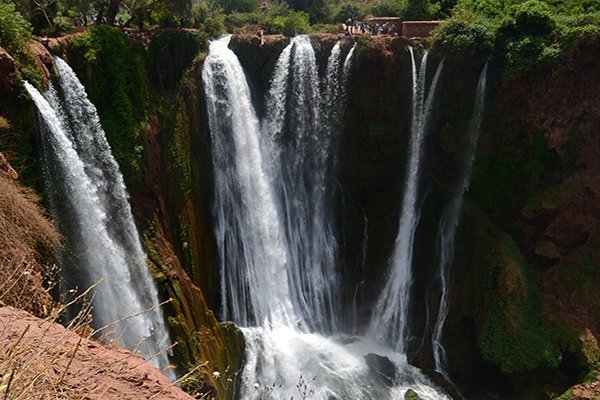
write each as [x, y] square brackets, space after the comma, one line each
[14, 29]
[524, 36]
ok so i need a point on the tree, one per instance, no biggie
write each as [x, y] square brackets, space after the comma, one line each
[417, 9]
[230, 6]
[314, 8]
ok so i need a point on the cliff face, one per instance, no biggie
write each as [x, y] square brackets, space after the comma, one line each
[168, 183]
[523, 316]
[151, 121]
[522, 311]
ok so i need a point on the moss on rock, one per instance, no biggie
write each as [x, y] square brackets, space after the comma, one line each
[113, 71]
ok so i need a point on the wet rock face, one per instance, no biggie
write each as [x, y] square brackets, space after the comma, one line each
[411, 395]
[382, 368]
[79, 367]
[8, 71]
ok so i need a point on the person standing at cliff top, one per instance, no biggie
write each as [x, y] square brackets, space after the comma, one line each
[349, 26]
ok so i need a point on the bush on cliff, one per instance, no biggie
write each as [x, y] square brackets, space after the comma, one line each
[27, 241]
[281, 20]
[526, 35]
[466, 34]
[514, 335]
[117, 84]
[15, 35]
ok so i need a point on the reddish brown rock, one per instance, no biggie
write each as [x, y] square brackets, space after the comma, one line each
[8, 71]
[42, 58]
[59, 364]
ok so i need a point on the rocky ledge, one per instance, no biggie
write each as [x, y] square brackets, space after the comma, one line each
[42, 359]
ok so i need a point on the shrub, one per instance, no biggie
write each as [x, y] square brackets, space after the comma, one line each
[384, 8]
[60, 25]
[117, 84]
[295, 23]
[327, 28]
[464, 36]
[243, 6]
[14, 29]
[580, 29]
[213, 26]
[526, 54]
[489, 9]
[347, 10]
[15, 34]
[533, 18]
[416, 9]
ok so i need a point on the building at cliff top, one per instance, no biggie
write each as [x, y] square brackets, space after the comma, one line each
[418, 28]
[405, 28]
[393, 22]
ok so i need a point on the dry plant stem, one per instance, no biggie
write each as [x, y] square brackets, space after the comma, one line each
[182, 378]
[96, 331]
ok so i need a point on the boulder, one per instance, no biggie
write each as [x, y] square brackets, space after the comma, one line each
[382, 368]
[411, 395]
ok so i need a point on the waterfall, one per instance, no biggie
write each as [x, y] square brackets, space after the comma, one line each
[273, 210]
[450, 220]
[89, 202]
[301, 123]
[273, 199]
[389, 322]
[250, 236]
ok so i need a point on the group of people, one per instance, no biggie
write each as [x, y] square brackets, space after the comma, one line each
[354, 27]
[95, 20]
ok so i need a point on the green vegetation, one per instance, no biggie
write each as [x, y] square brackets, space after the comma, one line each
[117, 84]
[514, 336]
[15, 35]
[525, 35]
[14, 29]
[279, 19]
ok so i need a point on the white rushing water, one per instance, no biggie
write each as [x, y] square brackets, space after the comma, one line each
[89, 202]
[249, 233]
[389, 322]
[302, 173]
[450, 220]
[273, 208]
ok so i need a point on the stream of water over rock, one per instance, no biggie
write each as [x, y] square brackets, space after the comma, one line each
[89, 205]
[278, 244]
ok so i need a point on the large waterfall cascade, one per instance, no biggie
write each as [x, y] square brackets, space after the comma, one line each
[89, 204]
[450, 221]
[273, 206]
[390, 320]
[248, 227]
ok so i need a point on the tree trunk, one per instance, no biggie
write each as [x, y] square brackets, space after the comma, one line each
[111, 12]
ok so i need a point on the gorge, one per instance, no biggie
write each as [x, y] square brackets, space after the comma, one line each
[386, 217]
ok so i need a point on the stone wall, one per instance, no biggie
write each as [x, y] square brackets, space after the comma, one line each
[418, 28]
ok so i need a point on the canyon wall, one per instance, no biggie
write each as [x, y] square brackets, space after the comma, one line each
[523, 316]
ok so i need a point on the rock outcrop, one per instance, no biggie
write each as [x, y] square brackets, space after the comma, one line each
[8, 71]
[42, 359]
